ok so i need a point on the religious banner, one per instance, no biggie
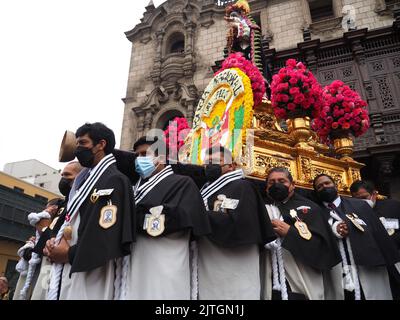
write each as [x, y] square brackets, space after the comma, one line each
[223, 114]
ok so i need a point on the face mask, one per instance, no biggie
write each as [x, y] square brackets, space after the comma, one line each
[213, 172]
[145, 166]
[328, 194]
[370, 202]
[64, 186]
[278, 192]
[85, 156]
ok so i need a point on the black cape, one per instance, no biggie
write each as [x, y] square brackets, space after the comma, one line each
[248, 224]
[372, 247]
[96, 246]
[321, 251]
[183, 206]
[389, 209]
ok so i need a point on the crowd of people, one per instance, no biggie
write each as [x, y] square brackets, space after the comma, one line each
[133, 225]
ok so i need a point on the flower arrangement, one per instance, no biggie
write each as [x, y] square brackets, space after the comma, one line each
[237, 60]
[295, 92]
[344, 112]
[175, 135]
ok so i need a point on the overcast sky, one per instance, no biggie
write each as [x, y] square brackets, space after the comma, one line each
[62, 63]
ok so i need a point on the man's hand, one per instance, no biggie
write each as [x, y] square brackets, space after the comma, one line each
[342, 229]
[280, 227]
[31, 239]
[57, 253]
[52, 209]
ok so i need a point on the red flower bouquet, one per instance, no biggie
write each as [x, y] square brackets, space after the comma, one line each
[175, 136]
[295, 92]
[344, 112]
[237, 60]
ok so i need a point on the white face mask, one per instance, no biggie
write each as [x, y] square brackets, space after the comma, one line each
[370, 202]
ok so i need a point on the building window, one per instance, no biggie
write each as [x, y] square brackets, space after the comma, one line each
[176, 43]
[41, 185]
[321, 9]
[41, 198]
[19, 189]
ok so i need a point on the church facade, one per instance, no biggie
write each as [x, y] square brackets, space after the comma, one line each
[177, 47]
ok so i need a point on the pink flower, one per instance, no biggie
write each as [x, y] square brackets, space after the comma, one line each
[299, 98]
[284, 98]
[291, 106]
[346, 125]
[293, 81]
[294, 91]
[291, 63]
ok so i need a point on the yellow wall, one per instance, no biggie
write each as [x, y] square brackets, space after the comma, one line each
[8, 251]
[29, 188]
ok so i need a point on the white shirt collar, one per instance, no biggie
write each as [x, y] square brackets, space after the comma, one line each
[336, 202]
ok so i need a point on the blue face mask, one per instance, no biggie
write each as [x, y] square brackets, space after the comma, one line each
[145, 166]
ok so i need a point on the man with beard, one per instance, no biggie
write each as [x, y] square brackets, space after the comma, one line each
[365, 247]
[229, 258]
[305, 248]
[94, 242]
[388, 211]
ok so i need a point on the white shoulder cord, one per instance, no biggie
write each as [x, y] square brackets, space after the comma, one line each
[23, 265]
[118, 280]
[33, 262]
[350, 281]
[194, 271]
[278, 267]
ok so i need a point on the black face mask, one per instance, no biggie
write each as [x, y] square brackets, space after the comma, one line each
[85, 156]
[327, 194]
[65, 186]
[278, 192]
[213, 172]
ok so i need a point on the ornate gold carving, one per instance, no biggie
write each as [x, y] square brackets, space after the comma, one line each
[269, 162]
[299, 130]
[355, 175]
[273, 147]
[307, 175]
[337, 177]
[344, 147]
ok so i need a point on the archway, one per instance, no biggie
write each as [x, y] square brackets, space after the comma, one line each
[165, 118]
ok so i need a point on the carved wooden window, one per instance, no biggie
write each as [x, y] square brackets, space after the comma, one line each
[385, 93]
[348, 72]
[321, 9]
[396, 62]
[328, 75]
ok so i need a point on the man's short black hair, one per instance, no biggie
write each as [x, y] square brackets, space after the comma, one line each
[280, 169]
[360, 184]
[322, 175]
[146, 140]
[98, 131]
